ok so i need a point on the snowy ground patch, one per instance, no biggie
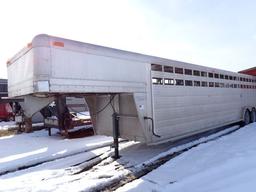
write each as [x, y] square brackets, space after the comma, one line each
[7, 125]
[226, 164]
[182, 173]
[28, 149]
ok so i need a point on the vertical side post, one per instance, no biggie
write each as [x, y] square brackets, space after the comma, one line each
[115, 134]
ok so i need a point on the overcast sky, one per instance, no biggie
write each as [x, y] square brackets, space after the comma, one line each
[215, 33]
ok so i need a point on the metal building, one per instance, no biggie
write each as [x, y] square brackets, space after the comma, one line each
[3, 88]
[250, 71]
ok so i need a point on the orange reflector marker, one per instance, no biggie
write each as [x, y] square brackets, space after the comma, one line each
[8, 62]
[58, 44]
[29, 45]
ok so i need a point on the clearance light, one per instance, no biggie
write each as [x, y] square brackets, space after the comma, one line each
[29, 45]
[58, 44]
[8, 62]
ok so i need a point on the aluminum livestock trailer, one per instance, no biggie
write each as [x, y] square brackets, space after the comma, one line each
[155, 99]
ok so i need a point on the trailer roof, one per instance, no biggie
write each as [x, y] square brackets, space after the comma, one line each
[44, 40]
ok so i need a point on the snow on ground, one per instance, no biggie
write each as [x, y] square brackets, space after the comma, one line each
[226, 164]
[6, 125]
[28, 149]
[83, 115]
[60, 175]
[47, 176]
[11, 125]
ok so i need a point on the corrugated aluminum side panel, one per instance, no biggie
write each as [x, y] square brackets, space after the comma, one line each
[82, 72]
[183, 110]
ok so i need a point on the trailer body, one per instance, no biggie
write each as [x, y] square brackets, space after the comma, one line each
[153, 96]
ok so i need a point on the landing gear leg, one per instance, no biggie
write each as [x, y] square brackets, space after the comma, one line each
[60, 105]
[116, 135]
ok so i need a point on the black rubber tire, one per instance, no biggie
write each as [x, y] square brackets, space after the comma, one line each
[253, 116]
[247, 118]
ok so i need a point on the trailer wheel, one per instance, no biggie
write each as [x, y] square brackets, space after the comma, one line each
[253, 115]
[247, 118]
